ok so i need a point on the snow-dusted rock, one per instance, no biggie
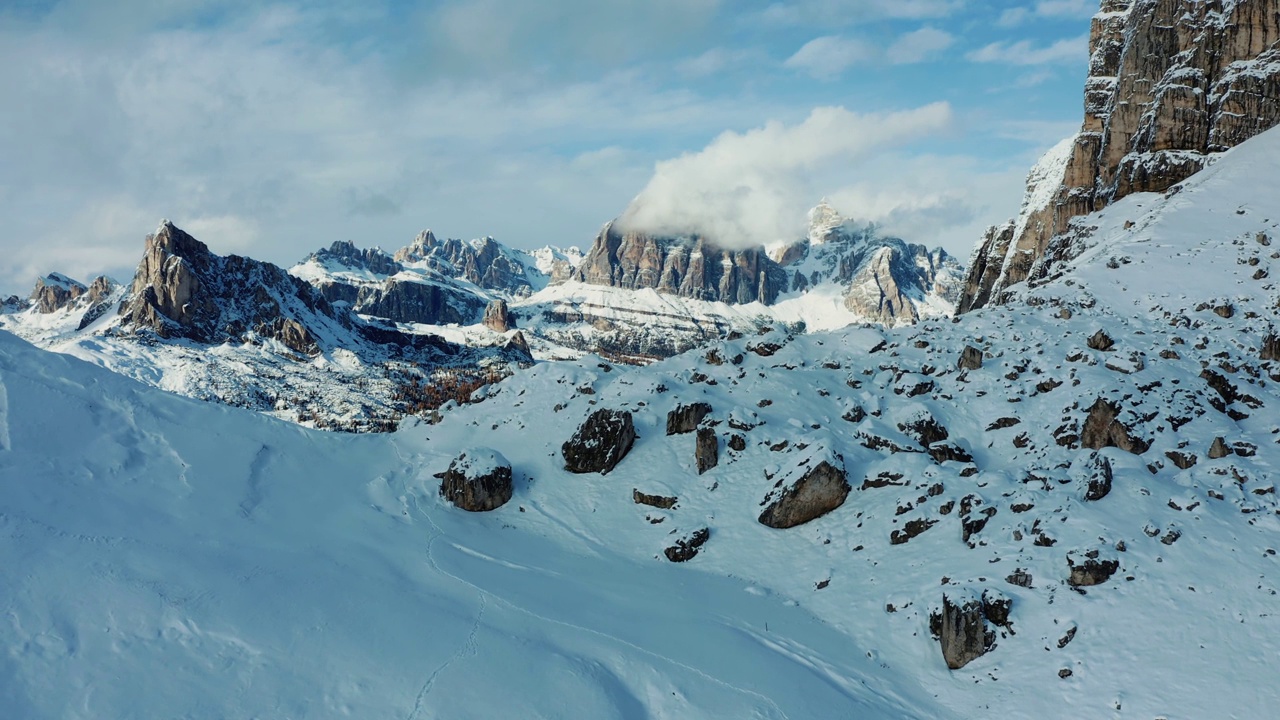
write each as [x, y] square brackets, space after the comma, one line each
[685, 418]
[813, 486]
[600, 443]
[1172, 83]
[478, 480]
[706, 449]
[960, 625]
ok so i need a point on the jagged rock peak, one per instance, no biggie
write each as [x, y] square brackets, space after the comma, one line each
[823, 218]
[56, 291]
[1171, 83]
[346, 253]
[418, 249]
[181, 289]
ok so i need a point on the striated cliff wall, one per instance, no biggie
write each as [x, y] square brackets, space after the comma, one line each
[1171, 83]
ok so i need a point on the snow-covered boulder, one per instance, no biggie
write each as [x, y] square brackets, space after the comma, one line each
[814, 486]
[600, 443]
[478, 480]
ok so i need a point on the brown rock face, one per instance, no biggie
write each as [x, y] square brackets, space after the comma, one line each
[961, 629]
[693, 268]
[497, 317]
[54, 292]
[685, 418]
[183, 290]
[478, 480]
[1170, 83]
[807, 492]
[1090, 571]
[1102, 429]
[600, 443]
[707, 449]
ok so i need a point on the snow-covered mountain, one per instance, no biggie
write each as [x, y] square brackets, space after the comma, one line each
[636, 296]
[1060, 507]
[243, 332]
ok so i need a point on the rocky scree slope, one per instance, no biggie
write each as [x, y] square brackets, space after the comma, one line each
[1062, 506]
[244, 332]
[1172, 83]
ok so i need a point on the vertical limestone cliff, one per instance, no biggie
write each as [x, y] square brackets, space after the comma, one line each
[1171, 83]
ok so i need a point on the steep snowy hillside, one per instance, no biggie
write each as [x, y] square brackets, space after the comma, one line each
[1075, 493]
[167, 558]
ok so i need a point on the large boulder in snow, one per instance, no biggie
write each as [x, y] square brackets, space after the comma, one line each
[813, 487]
[707, 449]
[960, 626]
[1103, 429]
[478, 480]
[685, 418]
[600, 443]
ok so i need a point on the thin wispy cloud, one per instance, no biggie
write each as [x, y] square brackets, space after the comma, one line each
[1025, 52]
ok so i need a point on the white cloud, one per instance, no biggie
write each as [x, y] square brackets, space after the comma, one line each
[1067, 8]
[1013, 17]
[918, 46]
[755, 187]
[848, 12]
[1024, 52]
[829, 56]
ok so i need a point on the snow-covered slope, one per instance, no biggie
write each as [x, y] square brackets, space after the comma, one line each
[167, 558]
[1115, 496]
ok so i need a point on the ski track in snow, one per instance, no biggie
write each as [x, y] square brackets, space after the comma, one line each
[437, 533]
[254, 497]
[4, 416]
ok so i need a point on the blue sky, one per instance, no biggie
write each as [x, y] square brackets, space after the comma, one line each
[273, 129]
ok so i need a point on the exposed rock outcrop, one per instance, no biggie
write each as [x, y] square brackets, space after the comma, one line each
[1090, 571]
[662, 502]
[600, 443]
[685, 418]
[54, 292]
[686, 548]
[1102, 429]
[960, 627]
[1171, 82]
[497, 317]
[970, 358]
[813, 487]
[478, 480]
[182, 290]
[687, 267]
[484, 262]
[706, 449]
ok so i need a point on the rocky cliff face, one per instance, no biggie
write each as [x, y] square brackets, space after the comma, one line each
[182, 290]
[688, 267]
[1171, 83]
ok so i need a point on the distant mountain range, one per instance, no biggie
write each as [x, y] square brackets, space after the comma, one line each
[386, 323]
